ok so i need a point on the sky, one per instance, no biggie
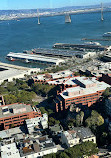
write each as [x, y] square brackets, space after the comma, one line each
[33, 4]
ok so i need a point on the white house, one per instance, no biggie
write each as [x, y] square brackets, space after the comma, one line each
[38, 122]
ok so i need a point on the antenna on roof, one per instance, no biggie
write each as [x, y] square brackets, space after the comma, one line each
[38, 17]
[102, 12]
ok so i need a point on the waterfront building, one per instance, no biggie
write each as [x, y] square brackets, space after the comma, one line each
[85, 91]
[35, 58]
[9, 72]
[107, 56]
[16, 114]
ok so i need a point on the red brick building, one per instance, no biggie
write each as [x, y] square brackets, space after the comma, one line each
[86, 91]
[15, 114]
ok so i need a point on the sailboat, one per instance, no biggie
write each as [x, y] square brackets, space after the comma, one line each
[38, 17]
[67, 18]
[102, 12]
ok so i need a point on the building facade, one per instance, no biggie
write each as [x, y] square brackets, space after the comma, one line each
[38, 122]
[76, 136]
[106, 78]
[15, 114]
[86, 91]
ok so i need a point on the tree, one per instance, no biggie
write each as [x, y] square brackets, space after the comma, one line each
[2, 90]
[94, 120]
[42, 109]
[107, 92]
[11, 87]
[0, 139]
[86, 148]
[9, 99]
[50, 156]
[53, 121]
[63, 155]
[71, 122]
[78, 120]
[81, 117]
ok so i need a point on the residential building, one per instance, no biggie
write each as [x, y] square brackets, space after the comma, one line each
[35, 148]
[44, 78]
[70, 138]
[9, 133]
[15, 114]
[85, 91]
[9, 151]
[76, 136]
[85, 134]
[37, 123]
[28, 148]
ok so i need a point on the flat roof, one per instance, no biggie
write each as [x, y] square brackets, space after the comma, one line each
[83, 132]
[56, 128]
[85, 91]
[10, 151]
[10, 72]
[70, 134]
[10, 132]
[15, 106]
[35, 57]
[86, 80]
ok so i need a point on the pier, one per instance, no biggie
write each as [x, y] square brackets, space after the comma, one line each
[88, 39]
[79, 47]
[35, 58]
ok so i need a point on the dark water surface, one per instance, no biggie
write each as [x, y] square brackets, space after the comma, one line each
[25, 34]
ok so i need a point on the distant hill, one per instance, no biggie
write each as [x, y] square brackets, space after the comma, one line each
[67, 8]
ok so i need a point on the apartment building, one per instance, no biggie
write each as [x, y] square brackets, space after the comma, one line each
[84, 91]
[15, 114]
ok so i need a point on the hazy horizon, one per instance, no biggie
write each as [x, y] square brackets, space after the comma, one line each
[47, 4]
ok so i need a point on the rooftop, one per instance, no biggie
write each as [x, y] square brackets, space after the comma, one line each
[9, 151]
[83, 132]
[35, 57]
[36, 145]
[8, 71]
[56, 128]
[13, 131]
[71, 92]
[70, 134]
[14, 109]
[60, 74]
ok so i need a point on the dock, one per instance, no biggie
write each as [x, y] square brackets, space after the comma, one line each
[54, 52]
[35, 58]
[79, 47]
[88, 39]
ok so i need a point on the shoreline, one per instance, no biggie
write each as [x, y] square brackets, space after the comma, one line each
[26, 16]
